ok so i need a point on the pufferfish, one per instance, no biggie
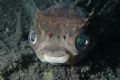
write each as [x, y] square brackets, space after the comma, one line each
[58, 34]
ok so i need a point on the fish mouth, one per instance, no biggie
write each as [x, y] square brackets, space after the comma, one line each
[53, 55]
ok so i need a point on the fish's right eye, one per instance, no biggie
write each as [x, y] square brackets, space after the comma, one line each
[32, 37]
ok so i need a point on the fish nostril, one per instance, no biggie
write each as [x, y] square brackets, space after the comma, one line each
[50, 34]
[64, 37]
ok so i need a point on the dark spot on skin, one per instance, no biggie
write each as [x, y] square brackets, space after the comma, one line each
[64, 37]
[50, 34]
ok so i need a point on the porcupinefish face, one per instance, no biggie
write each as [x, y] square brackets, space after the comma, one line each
[58, 35]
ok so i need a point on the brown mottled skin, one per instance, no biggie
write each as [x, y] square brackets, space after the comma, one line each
[56, 29]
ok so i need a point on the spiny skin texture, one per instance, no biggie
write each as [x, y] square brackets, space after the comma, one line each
[56, 29]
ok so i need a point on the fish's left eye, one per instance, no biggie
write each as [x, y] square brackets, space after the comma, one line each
[82, 41]
[32, 37]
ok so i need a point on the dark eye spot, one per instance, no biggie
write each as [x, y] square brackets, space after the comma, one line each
[32, 37]
[82, 41]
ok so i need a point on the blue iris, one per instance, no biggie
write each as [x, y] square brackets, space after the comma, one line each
[32, 37]
[81, 41]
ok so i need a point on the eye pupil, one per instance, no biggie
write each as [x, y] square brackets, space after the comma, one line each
[82, 41]
[32, 37]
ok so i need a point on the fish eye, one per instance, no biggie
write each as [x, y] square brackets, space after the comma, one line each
[82, 41]
[32, 37]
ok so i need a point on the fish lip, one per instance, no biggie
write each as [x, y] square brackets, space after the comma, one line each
[41, 54]
[55, 60]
